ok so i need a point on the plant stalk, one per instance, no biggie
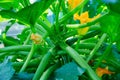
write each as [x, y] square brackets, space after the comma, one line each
[16, 48]
[80, 61]
[107, 51]
[93, 52]
[47, 73]
[42, 66]
[28, 58]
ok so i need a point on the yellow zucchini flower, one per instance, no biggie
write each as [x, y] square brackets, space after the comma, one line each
[83, 18]
[101, 71]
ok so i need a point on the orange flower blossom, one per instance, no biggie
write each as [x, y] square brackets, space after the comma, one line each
[36, 38]
[101, 71]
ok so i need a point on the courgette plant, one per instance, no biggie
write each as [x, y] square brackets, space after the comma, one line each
[61, 40]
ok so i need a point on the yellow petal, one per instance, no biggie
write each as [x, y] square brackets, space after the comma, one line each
[84, 17]
[83, 31]
[74, 3]
[76, 16]
[96, 17]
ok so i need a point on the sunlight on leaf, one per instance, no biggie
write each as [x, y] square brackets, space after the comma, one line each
[2, 19]
[4, 1]
[30, 14]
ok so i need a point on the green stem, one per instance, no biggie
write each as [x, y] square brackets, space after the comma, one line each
[90, 40]
[28, 58]
[41, 31]
[84, 51]
[57, 16]
[27, 40]
[8, 42]
[86, 45]
[47, 73]
[95, 27]
[46, 27]
[39, 27]
[107, 51]
[93, 52]
[69, 34]
[80, 61]
[32, 63]
[78, 41]
[91, 34]
[16, 48]
[42, 66]
[22, 2]
[63, 6]
[25, 3]
[3, 54]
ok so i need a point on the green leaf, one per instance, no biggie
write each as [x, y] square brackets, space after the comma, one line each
[6, 70]
[23, 76]
[113, 59]
[110, 25]
[9, 4]
[116, 54]
[9, 25]
[23, 35]
[3, 1]
[70, 71]
[29, 14]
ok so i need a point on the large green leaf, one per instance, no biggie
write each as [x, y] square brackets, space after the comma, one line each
[4, 1]
[29, 14]
[6, 70]
[69, 71]
[110, 25]
[9, 4]
[23, 76]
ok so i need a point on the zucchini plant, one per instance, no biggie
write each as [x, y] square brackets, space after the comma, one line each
[60, 40]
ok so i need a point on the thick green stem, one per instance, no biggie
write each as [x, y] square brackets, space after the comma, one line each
[6, 41]
[42, 66]
[57, 16]
[86, 45]
[80, 61]
[93, 52]
[46, 27]
[16, 48]
[47, 73]
[28, 58]
[32, 63]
